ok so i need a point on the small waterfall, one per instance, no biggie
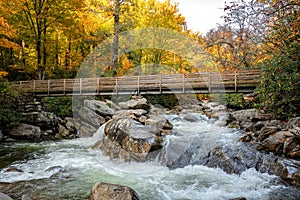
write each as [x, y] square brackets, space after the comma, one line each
[68, 169]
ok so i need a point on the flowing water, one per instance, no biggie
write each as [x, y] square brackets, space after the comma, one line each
[68, 169]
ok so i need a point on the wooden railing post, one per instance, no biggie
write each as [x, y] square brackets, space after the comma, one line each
[160, 84]
[235, 81]
[183, 83]
[138, 84]
[209, 82]
[48, 87]
[80, 86]
[117, 85]
[34, 87]
[64, 87]
[98, 86]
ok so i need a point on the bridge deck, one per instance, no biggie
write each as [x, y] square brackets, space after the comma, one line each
[201, 83]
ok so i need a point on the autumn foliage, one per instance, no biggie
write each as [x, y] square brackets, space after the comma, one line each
[48, 39]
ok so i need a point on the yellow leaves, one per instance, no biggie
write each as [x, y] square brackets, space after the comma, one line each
[2, 74]
[8, 44]
[7, 32]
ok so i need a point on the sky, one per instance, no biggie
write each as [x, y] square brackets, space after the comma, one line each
[201, 15]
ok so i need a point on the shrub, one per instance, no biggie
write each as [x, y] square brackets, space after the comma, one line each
[9, 114]
[279, 90]
[61, 106]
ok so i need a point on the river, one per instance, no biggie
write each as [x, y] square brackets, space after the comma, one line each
[68, 169]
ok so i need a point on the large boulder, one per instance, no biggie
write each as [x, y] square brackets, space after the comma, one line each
[105, 191]
[265, 132]
[275, 142]
[86, 130]
[128, 140]
[100, 107]
[137, 103]
[91, 117]
[5, 197]
[26, 132]
[243, 118]
[45, 120]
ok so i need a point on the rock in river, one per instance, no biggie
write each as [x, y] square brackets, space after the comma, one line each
[105, 191]
[129, 140]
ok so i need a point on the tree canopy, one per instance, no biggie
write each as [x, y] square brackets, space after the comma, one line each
[45, 39]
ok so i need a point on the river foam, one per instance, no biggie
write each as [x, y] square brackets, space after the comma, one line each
[71, 167]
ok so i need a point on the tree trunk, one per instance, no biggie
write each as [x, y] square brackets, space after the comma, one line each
[115, 56]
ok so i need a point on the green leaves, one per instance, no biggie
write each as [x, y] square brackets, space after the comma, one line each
[9, 115]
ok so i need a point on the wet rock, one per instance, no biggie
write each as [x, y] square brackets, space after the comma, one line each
[142, 119]
[26, 132]
[63, 132]
[258, 126]
[86, 130]
[296, 132]
[13, 169]
[159, 122]
[294, 122]
[275, 142]
[26, 197]
[286, 169]
[243, 118]
[99, 107]
[291, 147]
[129, 140]
[247, 115]
[105, 191]
[112, 105]
[54, 169]
[156, 111]
[45, 120]
[91, 117]
[138, 103]
[190, 118]
[5, 197]
[265, 132]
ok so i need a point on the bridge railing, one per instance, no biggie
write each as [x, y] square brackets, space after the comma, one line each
[206, 82]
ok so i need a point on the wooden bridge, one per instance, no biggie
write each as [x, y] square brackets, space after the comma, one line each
[200, 83]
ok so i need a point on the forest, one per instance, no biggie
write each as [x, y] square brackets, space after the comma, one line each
[49, 39]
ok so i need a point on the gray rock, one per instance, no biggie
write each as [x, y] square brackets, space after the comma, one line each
[99, 107]
[26, 197]
[112, 105]
[1, 135]
[291, 147]
[128, 140]
[139, 103]
[86, 130]
[137, 112]
[275, 142]
[91, 117]
[105, 191]
[45, 120]
[5, 197]
[26, 132]
[294, 122]
[159, 122]
[266, 132]
[190, 118]
[242, 116]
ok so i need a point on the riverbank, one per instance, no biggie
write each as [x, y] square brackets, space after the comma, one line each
[217, 151]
